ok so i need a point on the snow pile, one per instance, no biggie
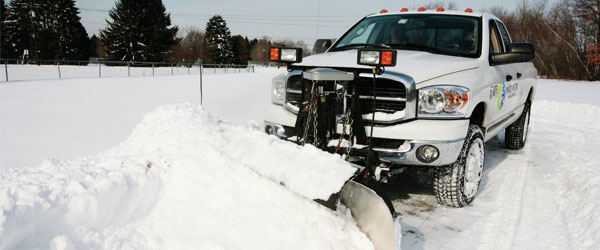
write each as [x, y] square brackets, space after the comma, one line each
[183, 180]
[579, 115]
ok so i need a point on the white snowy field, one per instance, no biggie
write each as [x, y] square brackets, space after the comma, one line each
[210, 179]
[65, 119]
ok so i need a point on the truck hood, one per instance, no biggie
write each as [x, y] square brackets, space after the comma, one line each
[419, 65]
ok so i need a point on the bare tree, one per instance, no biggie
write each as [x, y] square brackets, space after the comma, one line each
[260, 51]
[437, 4]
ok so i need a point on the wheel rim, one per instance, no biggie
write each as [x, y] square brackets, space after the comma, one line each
[525, 127]
[473, 168]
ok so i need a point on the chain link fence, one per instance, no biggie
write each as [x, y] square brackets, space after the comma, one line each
[25, 70]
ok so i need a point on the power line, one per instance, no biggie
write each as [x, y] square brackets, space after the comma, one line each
[232, 15]
[279, 24]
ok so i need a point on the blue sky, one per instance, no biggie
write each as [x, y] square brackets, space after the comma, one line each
[296, 20]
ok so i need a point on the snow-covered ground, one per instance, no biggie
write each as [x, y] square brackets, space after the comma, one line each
[208, 178]
[65, 119]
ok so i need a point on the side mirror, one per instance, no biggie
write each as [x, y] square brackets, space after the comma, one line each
[517, 52]
[321, 45]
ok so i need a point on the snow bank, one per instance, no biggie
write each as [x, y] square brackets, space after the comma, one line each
[182, 180]
[577, 114]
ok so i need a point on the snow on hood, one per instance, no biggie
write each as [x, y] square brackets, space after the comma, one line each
[182, 180]
[419, 65]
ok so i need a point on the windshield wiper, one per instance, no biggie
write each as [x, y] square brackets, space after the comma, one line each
[422, 47]
[361, 44]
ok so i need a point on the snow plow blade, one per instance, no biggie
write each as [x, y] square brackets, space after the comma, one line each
[373, 215]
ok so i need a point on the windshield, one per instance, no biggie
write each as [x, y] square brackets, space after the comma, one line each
[441, 34]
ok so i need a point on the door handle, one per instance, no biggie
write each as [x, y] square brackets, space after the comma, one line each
[519, 75]
[509, 78]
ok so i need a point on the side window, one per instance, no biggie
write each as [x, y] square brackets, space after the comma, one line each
[503, 34]
[495, 40]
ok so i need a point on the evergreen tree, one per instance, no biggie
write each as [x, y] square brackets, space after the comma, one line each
[240, 51]
[248, 47]
[72, 42]
[217, 40]
[18, 29]
[3, 41]
[47, 29]
[93, 46]
[139, 31]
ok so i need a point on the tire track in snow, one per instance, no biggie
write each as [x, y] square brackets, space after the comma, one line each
[524, 213]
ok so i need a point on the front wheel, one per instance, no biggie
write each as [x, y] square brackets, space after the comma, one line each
[456, 185]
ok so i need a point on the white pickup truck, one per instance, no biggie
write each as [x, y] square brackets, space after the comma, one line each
[413, 88]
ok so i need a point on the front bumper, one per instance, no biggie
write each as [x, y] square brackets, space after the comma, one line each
[447, 136]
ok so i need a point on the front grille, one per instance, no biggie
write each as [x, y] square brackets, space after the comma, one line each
[293, 91]
[381, 106]
[385, 88]
[391, 95]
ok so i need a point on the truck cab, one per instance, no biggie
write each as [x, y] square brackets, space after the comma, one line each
[458, 81]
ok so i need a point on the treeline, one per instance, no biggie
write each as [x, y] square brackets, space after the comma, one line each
[138, 31]
[566, 35]
[192, 47]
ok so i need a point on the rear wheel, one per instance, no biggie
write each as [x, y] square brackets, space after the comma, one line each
[516, 134]
[456, 185]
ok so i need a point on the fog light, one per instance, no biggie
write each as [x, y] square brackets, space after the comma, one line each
[269, 130]
[427, 153]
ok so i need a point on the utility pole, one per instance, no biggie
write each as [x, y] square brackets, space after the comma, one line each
[33, 23]
[318, 19]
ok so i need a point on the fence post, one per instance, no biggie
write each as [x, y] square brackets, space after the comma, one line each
[201, 85]
[189, 69]
[6, 69]
[128, 70]
[153, 69]
[58, 66]
[99, 70]
[171, 69]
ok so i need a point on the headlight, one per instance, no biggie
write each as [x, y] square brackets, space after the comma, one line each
[288, 55]
[278, 89]
[444, 101]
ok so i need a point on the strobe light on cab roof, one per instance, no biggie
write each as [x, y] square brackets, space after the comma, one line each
[376, 57]
[285, 55]
[422, 9]
[383, 11]
[404, 10]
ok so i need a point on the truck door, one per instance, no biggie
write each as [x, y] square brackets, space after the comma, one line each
[513, 95]
[503, 80]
